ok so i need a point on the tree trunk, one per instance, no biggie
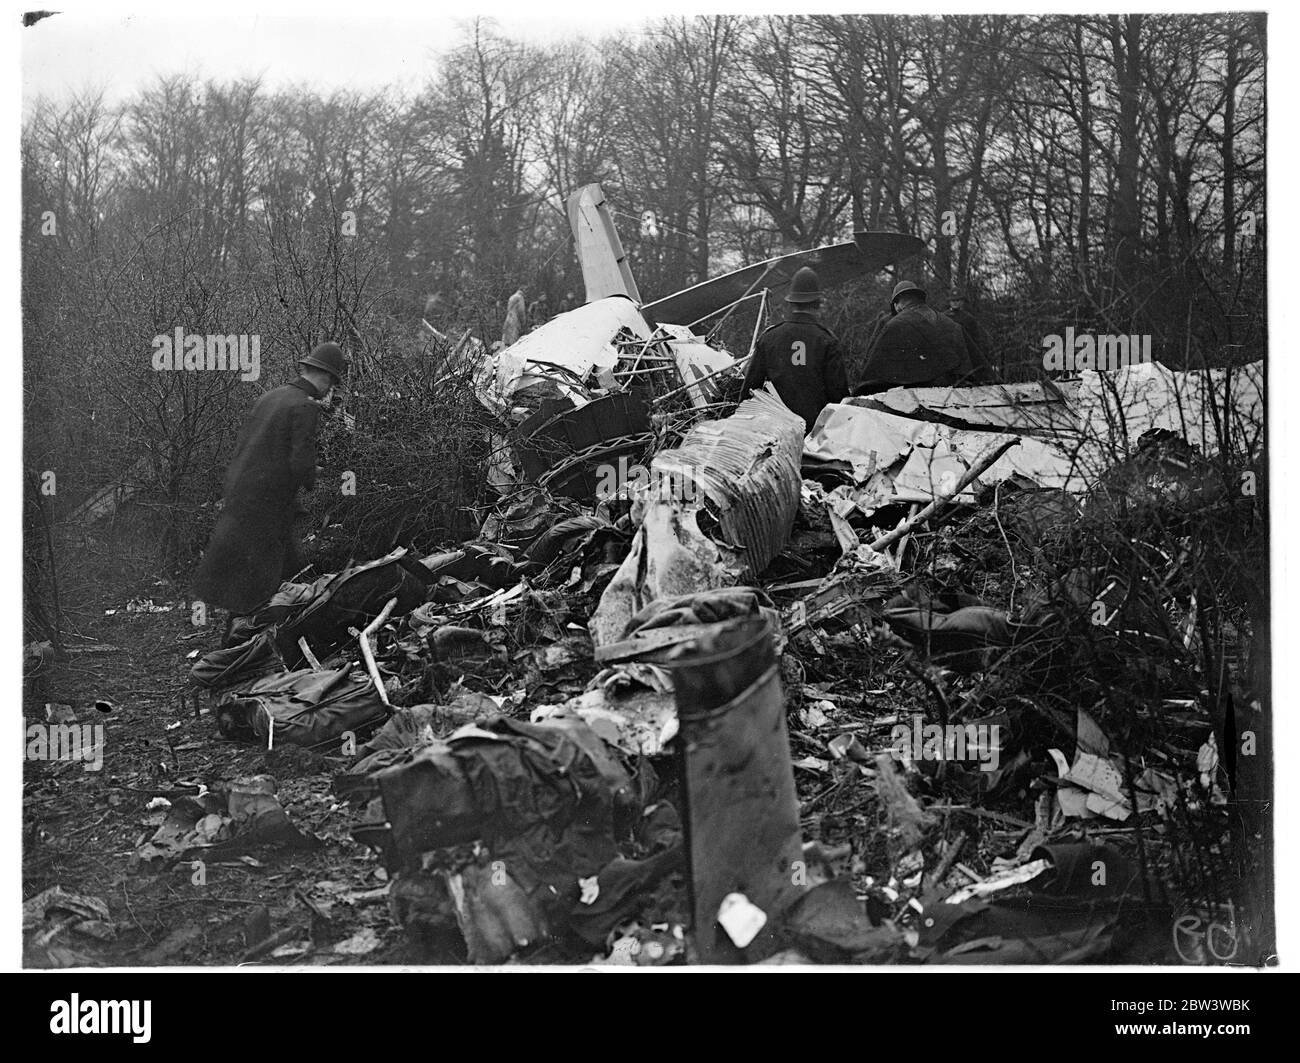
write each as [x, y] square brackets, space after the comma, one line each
[1229, 154]
[1125, 35]
[1085, 156]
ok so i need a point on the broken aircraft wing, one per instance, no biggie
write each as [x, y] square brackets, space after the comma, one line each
[835, 265]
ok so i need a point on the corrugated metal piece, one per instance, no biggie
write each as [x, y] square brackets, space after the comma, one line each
[745, 469]
[721, 507]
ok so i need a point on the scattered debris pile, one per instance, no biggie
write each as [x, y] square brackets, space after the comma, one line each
[951, 680]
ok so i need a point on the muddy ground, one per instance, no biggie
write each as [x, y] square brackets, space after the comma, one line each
[81, 828]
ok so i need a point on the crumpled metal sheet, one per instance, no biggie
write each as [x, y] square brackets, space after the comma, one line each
[899, 459]
[696, 360]
[1093, 425]
[936, 465]
[1150, 395]
[867, 440]
[577, 342]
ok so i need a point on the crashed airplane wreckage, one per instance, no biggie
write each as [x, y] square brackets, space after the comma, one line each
[628, 789]
[605, 381]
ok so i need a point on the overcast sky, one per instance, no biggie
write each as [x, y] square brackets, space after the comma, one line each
[69, 52]
[326, 43]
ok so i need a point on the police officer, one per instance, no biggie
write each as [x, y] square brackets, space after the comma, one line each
[253, 545]
[801, 357]
[916, 347]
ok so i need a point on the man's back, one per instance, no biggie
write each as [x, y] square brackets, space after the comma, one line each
[917, 347]
[253, 544]
[804, 361]
[275, 453]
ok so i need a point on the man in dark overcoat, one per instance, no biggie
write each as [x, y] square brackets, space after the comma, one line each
[916, 347]
[253, 546]
[802, 358]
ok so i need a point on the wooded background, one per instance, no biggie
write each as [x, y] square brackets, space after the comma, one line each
[1105, 172]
